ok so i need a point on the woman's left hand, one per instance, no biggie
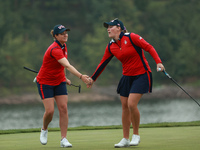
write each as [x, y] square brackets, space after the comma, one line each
[68, 81]
[160, 67]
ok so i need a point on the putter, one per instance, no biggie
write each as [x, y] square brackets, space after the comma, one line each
[79, 86]
[178, 85]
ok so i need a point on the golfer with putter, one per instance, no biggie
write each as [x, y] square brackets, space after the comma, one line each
[136, 79]
[51, 82]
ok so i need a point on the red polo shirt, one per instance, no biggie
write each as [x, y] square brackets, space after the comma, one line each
[130, 53]
[51, 71]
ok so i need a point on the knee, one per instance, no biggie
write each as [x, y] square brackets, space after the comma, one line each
[125, 108]
[63, 109]
[132, 106]
[49, 112]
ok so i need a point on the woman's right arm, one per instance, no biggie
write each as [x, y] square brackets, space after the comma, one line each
[102, 65]
[65, 63]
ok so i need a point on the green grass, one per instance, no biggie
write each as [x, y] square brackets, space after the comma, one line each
[164, 136]
[150, 125]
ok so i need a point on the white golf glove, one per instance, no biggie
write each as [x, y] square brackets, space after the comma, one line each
[35, 80]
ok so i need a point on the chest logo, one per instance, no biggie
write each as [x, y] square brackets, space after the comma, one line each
[125, 42]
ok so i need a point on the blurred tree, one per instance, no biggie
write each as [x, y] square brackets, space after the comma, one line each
[173, 30]
[172, 27]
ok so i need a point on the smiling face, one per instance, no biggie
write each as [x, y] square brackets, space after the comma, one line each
[114, 32]
[62, 37]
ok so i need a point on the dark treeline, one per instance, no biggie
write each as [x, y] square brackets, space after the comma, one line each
[171, 26]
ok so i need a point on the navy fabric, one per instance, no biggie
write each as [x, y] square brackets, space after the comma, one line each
[135, 84]
[101, 68]
[48, 91]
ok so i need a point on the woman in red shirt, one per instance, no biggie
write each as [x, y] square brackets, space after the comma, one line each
[51, 81]
[137, 78]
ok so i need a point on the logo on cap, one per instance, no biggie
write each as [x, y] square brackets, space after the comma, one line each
[61, 26]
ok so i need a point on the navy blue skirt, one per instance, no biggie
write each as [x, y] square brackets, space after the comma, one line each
[135, 84]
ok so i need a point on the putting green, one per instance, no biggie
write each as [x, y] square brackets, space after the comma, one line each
[164, 138]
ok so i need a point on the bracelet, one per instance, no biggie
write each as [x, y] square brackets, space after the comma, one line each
[81, 76]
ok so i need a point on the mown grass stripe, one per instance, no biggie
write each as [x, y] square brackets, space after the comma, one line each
[150, 125]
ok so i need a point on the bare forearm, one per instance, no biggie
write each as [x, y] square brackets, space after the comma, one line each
[64, 62]
[73, 70]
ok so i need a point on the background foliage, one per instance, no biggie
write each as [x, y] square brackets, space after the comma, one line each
[171, 26]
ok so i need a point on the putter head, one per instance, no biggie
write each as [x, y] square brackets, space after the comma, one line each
[79, 88]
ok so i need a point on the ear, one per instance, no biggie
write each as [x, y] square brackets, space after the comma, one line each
[119, 28]
[56, 35]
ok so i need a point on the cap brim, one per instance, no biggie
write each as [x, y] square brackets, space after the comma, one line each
[106, 24]
[67, 30]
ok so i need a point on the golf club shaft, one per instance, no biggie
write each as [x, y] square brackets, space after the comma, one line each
[179, 86]
[30, 70]
[79, 90]
[74, 85]
[79, 87]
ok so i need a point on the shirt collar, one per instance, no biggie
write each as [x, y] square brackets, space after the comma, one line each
[120, 37]
[62, 47]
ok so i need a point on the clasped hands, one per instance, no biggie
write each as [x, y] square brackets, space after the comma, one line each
[87, 80]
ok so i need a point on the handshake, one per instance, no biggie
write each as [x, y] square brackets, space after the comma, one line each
[87, 80]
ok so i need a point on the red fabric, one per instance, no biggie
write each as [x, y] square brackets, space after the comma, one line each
[125, 52]
[41, 89]
[51, 71]
[149, 79]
